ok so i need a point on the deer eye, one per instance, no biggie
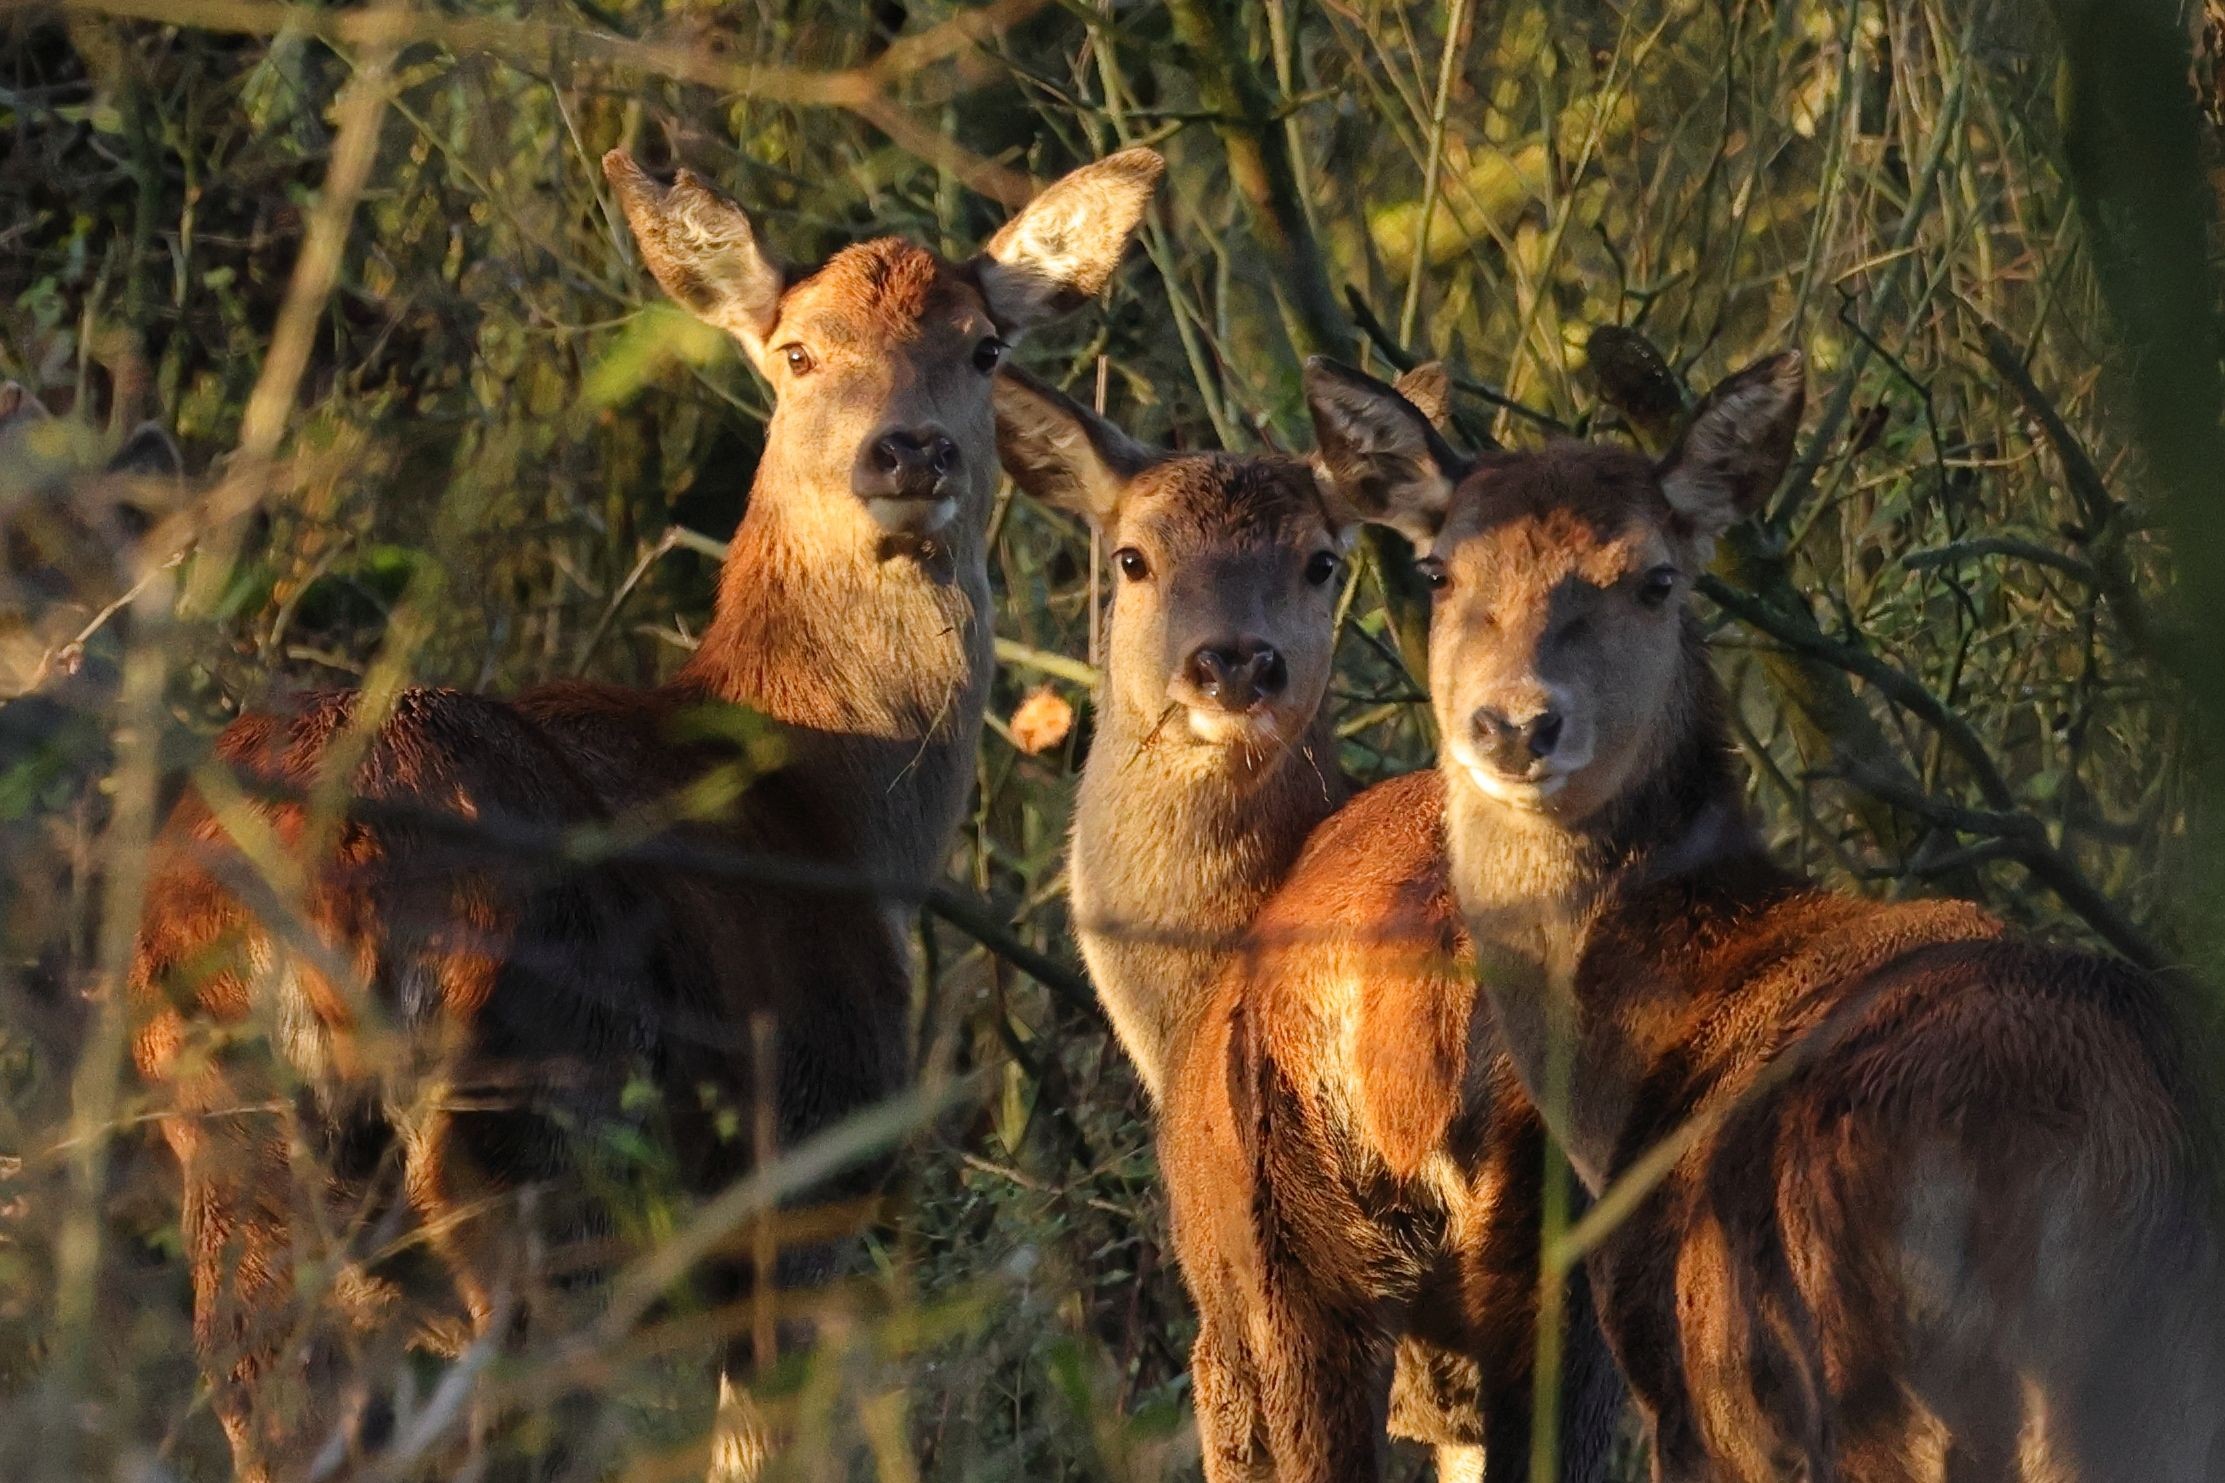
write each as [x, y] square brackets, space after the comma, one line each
[1434, 573]
[988, 354]
[1320, 567]
[1131, 563]
[799, 360]
[1655, 586]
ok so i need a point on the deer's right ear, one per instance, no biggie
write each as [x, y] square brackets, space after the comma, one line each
[701, 249]
[1060, 452]
[1379, 454]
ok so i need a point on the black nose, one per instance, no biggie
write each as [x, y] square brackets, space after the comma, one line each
[1237, 676]
[907, 463]
[1512, 746]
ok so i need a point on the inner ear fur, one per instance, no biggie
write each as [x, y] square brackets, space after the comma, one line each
[701, 249]
[1060, 251]
[1380, 457]
[1737, 445]
[1062, 453]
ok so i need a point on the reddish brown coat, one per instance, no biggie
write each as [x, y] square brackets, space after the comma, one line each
[449, 1008]
[1354, 1167]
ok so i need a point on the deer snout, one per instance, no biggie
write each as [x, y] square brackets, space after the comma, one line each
[1515, 745]
[1234, 677]
[906, 463]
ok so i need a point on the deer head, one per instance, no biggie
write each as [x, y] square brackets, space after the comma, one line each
[881, 359]
[1562, 658]
[1226, 564]
[1226, 572]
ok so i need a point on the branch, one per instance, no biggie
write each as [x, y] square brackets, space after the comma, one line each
[1379, 335]
[1246, 121]
[2010, 546]
[2103, 535]
[2022, 836]
[971, 915]
[862, 91]
[1803, 635]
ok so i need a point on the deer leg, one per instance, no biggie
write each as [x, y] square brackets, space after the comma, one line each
[1325, 1386]
[275, 1369]
[1225, 1391]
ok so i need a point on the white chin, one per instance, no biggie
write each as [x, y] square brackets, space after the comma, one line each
[1526, 793]
[1221, 729]
[911, 516]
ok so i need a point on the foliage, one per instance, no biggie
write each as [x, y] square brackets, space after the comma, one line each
[362, 261]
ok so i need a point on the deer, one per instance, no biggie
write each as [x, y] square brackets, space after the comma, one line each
[1910, 1196]
[1212, 763]
[447, 1002]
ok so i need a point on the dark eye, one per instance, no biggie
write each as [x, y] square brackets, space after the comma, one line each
[988, 353]
[1131, 563]
[1320, 567]
[799, 360]
[1434, 573]
[1655, 587]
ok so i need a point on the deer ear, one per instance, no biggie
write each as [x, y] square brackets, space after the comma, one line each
[1736, 447]
[1379, 458]
[1429, 387]
[1062, 453]
[701, 249]
[1061, 250]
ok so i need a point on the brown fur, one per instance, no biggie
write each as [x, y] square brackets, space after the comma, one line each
[1947, 1211]
[1184, 825]
[1356, 1174]
[446, 1011]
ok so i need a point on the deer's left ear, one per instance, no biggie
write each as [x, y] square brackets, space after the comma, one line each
[1061, 250]
[1736, 447]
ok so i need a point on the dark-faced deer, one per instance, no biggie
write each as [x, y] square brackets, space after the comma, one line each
[1944, 1211]
[1213, 760]
[442, 1009]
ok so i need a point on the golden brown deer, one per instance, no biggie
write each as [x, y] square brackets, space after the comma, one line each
[445, 1006]
[1212, 761]
[1947, 1208]
[1213, 757]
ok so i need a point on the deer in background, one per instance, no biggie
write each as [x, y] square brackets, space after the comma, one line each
[446, 1006]
[1946, 1204]
[1213, 760]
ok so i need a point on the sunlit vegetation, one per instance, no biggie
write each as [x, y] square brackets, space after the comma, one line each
[440, 427]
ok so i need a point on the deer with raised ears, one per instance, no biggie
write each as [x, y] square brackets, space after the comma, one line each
[449, 1005]
[1947, 1206]
[1212, 757]
[1213, 760]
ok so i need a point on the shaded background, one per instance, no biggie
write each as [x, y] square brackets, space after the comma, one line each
[362, 263]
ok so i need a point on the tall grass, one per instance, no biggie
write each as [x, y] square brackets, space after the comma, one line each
[442, 430]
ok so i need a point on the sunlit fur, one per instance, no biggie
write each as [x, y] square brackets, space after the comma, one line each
[1177, 837]
[1948, 1212]
[1355, 1175]
[452, 1007]
[1187, 812]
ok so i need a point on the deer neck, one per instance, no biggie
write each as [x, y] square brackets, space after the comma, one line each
[875, 665]
[1176, 845]
[1539, 895]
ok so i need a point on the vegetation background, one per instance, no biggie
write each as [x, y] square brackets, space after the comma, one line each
[440, 426]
